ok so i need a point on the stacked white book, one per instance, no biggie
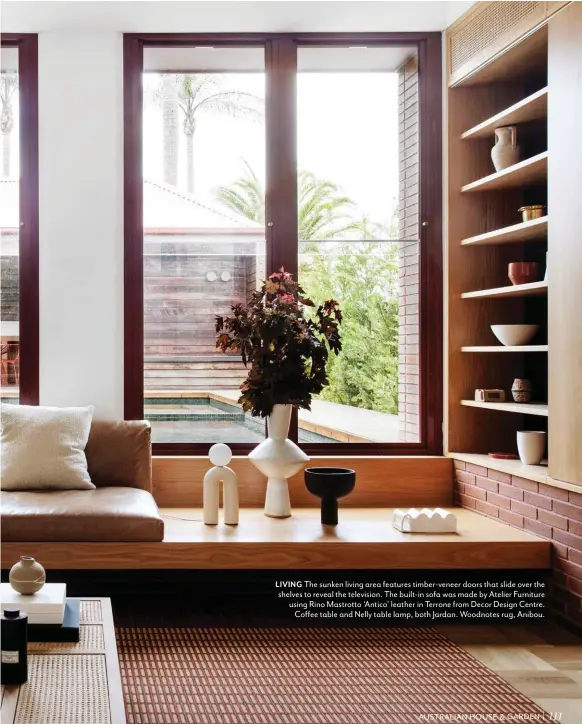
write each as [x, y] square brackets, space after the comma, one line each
[46, 606]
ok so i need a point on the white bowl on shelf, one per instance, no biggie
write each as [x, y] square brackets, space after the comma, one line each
[514, 335]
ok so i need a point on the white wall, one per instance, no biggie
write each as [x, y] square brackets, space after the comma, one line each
[81, 220]
[81, 161]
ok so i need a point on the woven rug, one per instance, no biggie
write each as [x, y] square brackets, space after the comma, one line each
[305, 676]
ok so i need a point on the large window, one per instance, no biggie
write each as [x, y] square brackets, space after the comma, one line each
[19, 219]
[320, 154]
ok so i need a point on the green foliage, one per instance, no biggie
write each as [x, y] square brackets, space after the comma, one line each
[324, 212]
[287, 350]
[364, 276]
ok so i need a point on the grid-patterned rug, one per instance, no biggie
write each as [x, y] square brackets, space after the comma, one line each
[305, 676]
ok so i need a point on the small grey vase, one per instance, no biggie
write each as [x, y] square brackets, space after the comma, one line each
[27, 576]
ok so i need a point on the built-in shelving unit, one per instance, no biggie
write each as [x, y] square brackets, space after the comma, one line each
[529, 172]
[485, 234]
[522, 408]
[532, 108]
[534, 230]
[532, 289]
[503, 348]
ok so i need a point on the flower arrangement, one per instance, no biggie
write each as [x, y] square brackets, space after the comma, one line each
[287, 350]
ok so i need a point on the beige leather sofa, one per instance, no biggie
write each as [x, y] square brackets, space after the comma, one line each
[121, 508]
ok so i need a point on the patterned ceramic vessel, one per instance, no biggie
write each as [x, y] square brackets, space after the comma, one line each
[521, 390]
[27, 576]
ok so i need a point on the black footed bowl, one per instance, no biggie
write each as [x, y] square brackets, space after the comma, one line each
[330, 484]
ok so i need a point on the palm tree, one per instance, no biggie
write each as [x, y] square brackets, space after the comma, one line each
[324, 213]
[194, 95]
[8, 86]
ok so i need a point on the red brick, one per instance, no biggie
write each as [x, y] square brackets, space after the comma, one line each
[510, 491]
[499, 501]
[556, 521]
[559, 578]
[560, 550]
[575, 498]
[540, 501]
[475, 492]
[552, 492]
[512, 518]
[572, 569]
[486, 483]
[575, 556]
[575, 585]
[575, 527]
[524, 509]
[459, 465]
[487, 509]
[499, 476]
[524, 484]
[464, 477]
[567, 509]
[476, 469]
[537, 528]
[573, 541]
[467, 502]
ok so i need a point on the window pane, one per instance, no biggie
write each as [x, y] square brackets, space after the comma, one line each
[204, 250]
[358, 235]
[9, 225]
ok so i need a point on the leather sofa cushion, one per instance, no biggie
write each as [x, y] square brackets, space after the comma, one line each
[119, 454]
[101, 515]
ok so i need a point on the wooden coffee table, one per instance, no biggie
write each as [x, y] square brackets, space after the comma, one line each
[71, 683]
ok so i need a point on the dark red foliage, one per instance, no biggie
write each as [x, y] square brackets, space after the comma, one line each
[286, 350]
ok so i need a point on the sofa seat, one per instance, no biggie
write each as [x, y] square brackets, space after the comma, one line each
[104, 514]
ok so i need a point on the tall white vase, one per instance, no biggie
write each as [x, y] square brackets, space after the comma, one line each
[278, 458]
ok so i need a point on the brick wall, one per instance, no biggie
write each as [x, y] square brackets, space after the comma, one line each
[408, 252]
[546, 511]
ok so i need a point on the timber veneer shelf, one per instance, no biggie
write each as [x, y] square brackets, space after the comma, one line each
[364, 539]
[532, 289]
[534, 230]
[531, 108]
[530, 408]
[529, 172]
[503, 348]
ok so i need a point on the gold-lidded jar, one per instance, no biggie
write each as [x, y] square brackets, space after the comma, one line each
[535, 211]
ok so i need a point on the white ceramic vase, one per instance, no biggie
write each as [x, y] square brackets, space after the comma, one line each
[531, 447]
[505, 152]
[278, 458]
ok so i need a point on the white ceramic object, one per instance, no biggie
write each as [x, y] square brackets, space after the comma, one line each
[505, 152]
[514, 335]
[27, 576]
[278, 458]
[220, 455]
[531, 446]
[427, 520]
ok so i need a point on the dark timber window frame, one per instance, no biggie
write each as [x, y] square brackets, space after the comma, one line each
[28, 282]
[281, 209]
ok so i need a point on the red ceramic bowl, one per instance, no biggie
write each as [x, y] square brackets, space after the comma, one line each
[524, 272]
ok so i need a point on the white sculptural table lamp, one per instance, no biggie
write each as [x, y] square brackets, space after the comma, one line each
[220, 455]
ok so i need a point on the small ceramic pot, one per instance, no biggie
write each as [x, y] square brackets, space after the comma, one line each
[521, 390]
[523, 272]
[531, 447]
[532, 212]
[27, 576]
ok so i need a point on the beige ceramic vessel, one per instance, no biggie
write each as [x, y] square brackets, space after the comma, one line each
[27, 576]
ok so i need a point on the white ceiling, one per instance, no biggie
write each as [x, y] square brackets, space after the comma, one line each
[192, 16]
